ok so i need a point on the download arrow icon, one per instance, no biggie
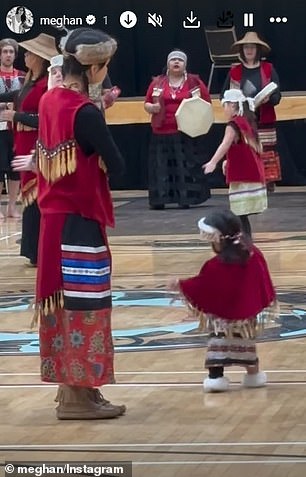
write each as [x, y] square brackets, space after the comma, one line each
[128, 19]
[191, 21]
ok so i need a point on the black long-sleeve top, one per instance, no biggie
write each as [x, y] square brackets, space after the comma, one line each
[251, 84]
[28, 119]
[93, 136]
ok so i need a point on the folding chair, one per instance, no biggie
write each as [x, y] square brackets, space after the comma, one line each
[219, 41]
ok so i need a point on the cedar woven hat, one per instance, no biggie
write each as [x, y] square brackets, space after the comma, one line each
[250, 37]
[43, 45]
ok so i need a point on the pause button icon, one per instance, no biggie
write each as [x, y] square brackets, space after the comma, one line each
[248, 19]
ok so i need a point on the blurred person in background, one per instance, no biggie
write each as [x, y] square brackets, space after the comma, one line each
[11, 79]
[24, 119]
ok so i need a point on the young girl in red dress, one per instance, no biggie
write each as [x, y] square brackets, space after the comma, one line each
[244, 167]
[233, 296]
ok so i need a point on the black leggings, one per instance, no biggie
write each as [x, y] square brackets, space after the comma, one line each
[246, 226]
[216, 372]
[11, 175]
[30, 232]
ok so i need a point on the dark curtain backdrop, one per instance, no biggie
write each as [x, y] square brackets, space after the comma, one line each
[143, 50]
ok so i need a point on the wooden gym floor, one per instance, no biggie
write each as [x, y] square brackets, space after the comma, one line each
[171, 427]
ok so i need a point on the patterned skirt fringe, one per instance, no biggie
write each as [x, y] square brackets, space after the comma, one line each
[270, 157]
[234, 342]
[235, 351]
[247, 328]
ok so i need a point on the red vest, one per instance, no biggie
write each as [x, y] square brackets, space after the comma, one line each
[243, 162]
[68, 180]
[25, 138]
[266, 111]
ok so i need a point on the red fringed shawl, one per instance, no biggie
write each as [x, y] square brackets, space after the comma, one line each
[231, 291]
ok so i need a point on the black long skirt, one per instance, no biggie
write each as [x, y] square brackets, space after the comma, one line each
[6, 156]
[30, 232]
[6, 150]
[175, 173]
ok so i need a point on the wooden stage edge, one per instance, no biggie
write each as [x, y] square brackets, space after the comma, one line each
[131, 111]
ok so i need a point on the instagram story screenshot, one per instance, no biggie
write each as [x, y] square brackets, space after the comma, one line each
[152, 212]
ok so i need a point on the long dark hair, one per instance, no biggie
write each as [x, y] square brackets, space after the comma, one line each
[251, 118]
[23, 15]
[72, 67]
[70, 64]
[234, 246]
[43, 72]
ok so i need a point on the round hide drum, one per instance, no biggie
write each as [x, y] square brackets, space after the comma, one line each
[194, 117]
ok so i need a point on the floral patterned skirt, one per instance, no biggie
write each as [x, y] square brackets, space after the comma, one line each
[76, 348]
[76, 345]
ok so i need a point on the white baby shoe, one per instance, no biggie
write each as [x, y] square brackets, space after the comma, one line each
[254, 380]
[216, 385]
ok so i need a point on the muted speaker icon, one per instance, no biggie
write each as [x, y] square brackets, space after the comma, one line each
[155, 19]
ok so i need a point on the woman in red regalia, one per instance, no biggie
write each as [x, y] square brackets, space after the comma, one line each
[39, 51]
[251, 76]
[75, 154]
[243, 167]
[233, 296]
[174, 158]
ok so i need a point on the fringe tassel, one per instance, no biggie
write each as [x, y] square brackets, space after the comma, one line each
[52, 303]
[102, 165]
[35, 319]
[22, 127]
[47, 306]
[248, 328]
[202, 322]
[29, 197]
[59, 163]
